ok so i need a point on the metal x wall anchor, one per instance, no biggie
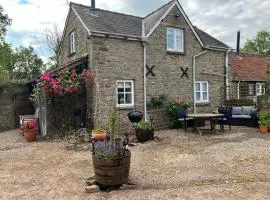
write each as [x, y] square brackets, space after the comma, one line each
[184, 72]
[150, 70]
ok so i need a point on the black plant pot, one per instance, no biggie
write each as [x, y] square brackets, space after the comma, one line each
[144, 135]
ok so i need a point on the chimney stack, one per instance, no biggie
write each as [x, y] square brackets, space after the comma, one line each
[93, 4]
[238, 42]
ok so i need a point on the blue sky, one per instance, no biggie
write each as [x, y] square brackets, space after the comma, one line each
[23, 1]
[220, 18]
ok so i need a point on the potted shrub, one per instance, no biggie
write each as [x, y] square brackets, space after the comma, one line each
[99, 134]
[172, 107]
[30, 130]
[145, 131]
[264, 119]
[111, 163]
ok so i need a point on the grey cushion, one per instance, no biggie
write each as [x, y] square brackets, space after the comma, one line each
[237, 110]
[253, 111]
[241, 116]
[247, 110]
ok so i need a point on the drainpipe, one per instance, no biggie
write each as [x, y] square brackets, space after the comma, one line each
[194, 78]
[238, 90]
[227, 73]
[144, 81]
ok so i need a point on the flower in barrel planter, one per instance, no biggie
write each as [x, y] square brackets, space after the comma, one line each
[30, 130]
[111, 163]
[145, 131]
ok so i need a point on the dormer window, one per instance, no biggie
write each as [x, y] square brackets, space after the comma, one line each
[72, 42]
[175, 40]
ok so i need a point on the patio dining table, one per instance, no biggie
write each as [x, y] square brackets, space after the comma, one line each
[212, 117]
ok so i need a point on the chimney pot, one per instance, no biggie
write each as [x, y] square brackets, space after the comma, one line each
[238, 42]
[93, 4]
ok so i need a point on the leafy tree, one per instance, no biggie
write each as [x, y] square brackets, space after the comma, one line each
[4, 22]
[25, 64]
[260, 45]
[6, 54]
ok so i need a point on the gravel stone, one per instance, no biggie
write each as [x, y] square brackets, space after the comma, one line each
[182, 165]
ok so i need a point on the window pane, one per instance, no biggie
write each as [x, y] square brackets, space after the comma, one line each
[204, 96]
[170, 33]
[204, 87]
[197, 87]
[178, 44]
[198, 96]
[120, 87]
[178, 34]
[128, 86]
[121, 99]
[250, 89]
[128, 98]
[170, 44]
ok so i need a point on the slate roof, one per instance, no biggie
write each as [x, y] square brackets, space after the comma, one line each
[111, 22]
[151, 19]
[99, 20]
[209, 40]
[249, 67]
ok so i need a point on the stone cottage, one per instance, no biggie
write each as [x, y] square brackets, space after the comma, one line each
[136, 58]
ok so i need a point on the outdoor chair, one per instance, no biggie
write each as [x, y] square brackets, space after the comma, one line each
[182, 117]
[227, 118]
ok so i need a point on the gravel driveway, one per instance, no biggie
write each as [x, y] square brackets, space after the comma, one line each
[231, 165]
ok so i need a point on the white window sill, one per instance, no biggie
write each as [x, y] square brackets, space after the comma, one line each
[202, 102]
[129, 107]
[175, 51]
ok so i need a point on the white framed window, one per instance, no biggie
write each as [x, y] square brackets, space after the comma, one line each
[72, 42]
[260, 90]
[202, 92]
[251, 89]
[124, 93]
[175, 40]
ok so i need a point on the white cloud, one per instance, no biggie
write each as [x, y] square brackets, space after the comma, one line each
[220, 18]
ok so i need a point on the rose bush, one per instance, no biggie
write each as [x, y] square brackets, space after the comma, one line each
[65, 84]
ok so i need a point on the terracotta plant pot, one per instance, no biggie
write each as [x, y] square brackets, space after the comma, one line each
[99, 135]
[263, 129]
[30, 135]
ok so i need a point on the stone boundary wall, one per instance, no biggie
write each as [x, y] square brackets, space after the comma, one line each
[161, 118]
[7, 110]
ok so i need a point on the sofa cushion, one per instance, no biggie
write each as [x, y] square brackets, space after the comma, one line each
[247, 110]
[237, 110]
[241, 116]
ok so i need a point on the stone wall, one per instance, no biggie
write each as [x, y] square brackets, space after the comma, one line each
[160, 117]
[82, 44]
[14, 101]
[168, 81]
[7, 110]
[115, 59]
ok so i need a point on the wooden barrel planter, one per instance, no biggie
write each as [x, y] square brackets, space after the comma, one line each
[144, 135]
[30, 135]
[112, 172]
